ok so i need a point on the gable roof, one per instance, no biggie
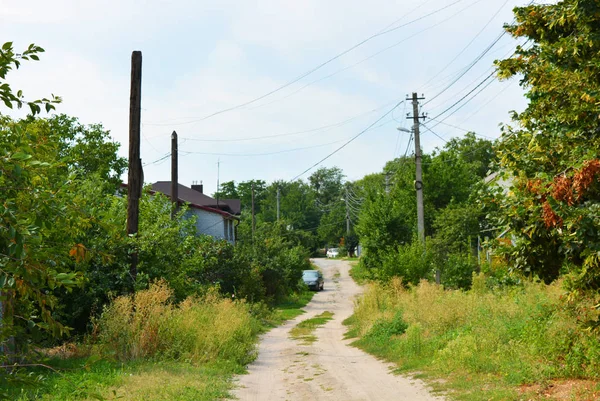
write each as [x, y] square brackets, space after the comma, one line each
[196, 198]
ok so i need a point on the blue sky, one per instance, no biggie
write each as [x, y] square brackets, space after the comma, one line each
[200, 57]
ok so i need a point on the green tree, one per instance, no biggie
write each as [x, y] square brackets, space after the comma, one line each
[243, 192]
[552, 149]
[10, 60]
[327, 184]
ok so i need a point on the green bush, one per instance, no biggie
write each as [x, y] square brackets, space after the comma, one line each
[410, 262]
[384, 329]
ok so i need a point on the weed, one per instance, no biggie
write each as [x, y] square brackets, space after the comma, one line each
[492, 340]
[303, 330]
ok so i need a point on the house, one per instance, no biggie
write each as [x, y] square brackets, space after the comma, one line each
[214, 217]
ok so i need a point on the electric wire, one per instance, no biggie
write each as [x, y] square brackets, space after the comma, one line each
[488, 102]
[470, 66]
[491, 75]
[372, 55]
[318, 67]
[429, 129]
[463, 129]
[349, 141]
[185, 153]
[468, 44]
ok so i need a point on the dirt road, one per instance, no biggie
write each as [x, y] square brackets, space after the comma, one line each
[328, 369]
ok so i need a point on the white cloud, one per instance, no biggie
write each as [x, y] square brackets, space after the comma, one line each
[202, 56]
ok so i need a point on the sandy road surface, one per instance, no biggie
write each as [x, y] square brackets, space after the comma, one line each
[328, 369]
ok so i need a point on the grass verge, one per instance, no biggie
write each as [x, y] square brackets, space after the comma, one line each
[305, 329]
[150, 349]
[134, 381]
[290, 307]
[520, 343]
[359, 273]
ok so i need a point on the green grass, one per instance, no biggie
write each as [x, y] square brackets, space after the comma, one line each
[291, 307]
[509, 344]
[305, 329]
[359, 273]
[134, 381]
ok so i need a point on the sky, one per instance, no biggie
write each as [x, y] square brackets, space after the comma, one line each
[203, 57]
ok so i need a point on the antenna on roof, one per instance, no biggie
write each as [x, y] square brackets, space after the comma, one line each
[218, 174]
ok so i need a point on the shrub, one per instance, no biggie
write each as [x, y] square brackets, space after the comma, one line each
[149, 325]
[385, 329]
[410, 262]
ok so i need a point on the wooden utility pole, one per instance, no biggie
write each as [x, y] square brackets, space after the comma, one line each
[278, 196]
[135, 173]
[253, 217]
[174, 176]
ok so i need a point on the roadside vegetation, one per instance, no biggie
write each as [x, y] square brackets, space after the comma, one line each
[304, 330]
[487, 343]
[148, 347]
[512, 232]
[517, 314]
[75, 323]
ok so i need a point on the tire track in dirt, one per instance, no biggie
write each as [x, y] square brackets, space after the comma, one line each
[328, 369]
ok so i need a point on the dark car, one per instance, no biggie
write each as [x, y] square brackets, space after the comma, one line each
[313, 279]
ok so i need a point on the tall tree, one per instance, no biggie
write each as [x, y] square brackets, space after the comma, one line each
[552, 149]
[327, 184]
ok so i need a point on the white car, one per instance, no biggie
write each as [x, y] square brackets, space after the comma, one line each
[333, 252]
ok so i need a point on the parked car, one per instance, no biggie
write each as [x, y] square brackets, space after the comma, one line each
[313, 279]
[333, 252]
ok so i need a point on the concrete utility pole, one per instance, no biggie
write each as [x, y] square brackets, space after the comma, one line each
[278, 196]
[419, 173]
[135, 178]
[174, 176]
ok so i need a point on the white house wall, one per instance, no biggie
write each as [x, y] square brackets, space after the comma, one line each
[212, 224]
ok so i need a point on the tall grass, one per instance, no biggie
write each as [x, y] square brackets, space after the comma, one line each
[199, 329]
[518, 335]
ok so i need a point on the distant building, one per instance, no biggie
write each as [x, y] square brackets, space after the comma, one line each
[216, 218]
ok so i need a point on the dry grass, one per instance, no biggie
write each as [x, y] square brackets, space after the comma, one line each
[579, 390]
[148, 325]
[499, 339]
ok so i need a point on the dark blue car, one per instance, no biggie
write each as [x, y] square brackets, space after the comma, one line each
[313, 279]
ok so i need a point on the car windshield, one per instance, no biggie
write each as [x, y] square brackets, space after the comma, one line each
[310, 273]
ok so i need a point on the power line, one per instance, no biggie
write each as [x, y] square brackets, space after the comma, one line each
[259, 154]
[429, 129]
[471, 65]
[372, 55]
[348, 142]
[465, 96]
[158, 160]
[487, 102]
[319, 66]
[468, 44]
[462, 129]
